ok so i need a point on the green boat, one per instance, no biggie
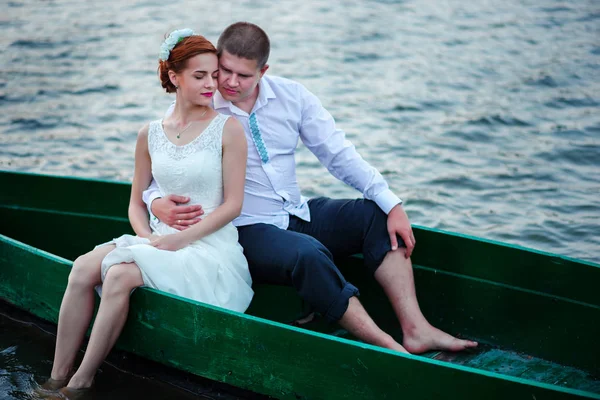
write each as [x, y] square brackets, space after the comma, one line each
[536, 315]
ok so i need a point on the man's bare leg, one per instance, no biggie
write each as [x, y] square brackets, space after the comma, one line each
[356, 321]
[395, 275]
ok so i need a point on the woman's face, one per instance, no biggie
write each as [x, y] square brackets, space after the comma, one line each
[198, 81]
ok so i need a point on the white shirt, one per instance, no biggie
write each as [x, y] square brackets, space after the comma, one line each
[286, 111]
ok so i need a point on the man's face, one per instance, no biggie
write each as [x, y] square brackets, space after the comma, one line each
[238, 77]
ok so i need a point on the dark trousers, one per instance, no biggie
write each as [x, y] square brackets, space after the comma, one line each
[302, 256]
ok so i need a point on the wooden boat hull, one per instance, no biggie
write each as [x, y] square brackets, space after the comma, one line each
[511, 299]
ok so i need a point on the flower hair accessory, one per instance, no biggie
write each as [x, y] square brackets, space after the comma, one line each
[171, 41]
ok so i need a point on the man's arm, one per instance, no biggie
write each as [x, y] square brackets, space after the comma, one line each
[151, 194]
[171, 209]
[320, 135]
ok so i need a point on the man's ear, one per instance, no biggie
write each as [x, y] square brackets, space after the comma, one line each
[263, 70]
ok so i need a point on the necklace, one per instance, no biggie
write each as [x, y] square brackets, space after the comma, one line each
[183, 130]
[190, 124]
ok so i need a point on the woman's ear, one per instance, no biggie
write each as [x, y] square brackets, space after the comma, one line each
[173, 78]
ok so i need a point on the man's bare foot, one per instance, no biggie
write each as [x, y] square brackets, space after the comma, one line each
[431, 338]
[304, 320]
[400, 349]
[390, 343]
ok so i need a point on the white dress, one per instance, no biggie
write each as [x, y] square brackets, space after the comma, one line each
[211, 270]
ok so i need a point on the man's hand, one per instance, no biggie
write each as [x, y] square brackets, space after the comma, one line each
[398, 224]
[172, 211]
[172, 242]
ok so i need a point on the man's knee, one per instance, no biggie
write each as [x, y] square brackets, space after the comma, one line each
[377, 241]
[374, 214]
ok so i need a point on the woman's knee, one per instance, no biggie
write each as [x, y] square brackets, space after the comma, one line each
[122, 278]
[85, 272]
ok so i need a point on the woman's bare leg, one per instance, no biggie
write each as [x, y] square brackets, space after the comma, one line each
[120, 280]
[76, 310]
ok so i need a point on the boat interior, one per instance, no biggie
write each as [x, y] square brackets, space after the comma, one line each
[536, 316]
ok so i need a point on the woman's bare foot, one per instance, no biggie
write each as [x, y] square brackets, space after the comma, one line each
[80, 383]
[77, 388]
[52, 385]
[431, 338]
[74, 394]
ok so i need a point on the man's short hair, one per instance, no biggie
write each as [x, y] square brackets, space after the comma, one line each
[245, 40]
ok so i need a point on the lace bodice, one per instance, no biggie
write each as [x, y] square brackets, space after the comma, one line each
[194, 169]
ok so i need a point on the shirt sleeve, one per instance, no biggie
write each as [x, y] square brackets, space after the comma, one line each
[320, 135]
[170, 109]
[149, 195]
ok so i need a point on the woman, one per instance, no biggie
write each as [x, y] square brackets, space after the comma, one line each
[195, 152]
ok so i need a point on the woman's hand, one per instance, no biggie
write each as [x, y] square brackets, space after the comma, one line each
[172, 242]
[151, 237]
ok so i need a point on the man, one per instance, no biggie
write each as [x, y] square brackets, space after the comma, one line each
[291, 241]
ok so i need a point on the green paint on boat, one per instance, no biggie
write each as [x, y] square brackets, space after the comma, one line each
[537, 315]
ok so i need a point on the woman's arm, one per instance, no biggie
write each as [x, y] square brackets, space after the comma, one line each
[235, 153]
[138, 215]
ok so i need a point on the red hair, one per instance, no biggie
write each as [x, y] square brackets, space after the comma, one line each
[189, 47]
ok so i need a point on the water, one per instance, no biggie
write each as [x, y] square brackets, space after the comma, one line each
[483, 116]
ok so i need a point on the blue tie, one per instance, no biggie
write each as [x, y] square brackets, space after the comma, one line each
[258, 140]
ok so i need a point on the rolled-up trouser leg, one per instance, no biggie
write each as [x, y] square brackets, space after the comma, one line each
[282, 257]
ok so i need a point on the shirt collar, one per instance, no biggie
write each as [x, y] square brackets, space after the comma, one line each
[219, 101]
[265, 92]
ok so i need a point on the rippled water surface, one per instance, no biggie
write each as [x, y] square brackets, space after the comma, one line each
[483, 116]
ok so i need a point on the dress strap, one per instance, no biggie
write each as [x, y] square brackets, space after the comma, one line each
[154, 134]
